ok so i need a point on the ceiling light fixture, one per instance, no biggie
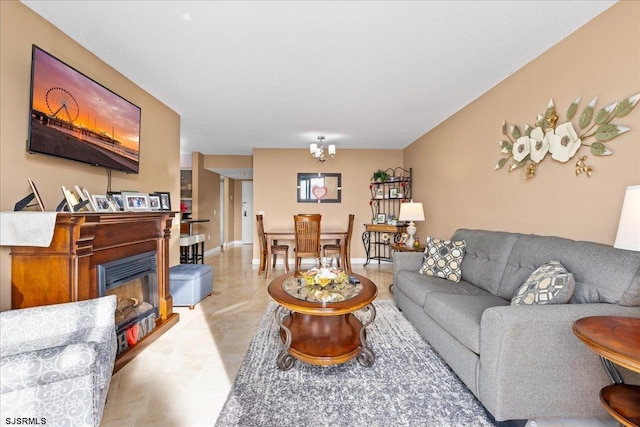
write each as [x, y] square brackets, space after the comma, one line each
[317, 150]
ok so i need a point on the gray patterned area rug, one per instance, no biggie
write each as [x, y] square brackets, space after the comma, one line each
[408, 385]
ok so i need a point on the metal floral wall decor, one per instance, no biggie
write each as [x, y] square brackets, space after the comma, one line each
[562, 141]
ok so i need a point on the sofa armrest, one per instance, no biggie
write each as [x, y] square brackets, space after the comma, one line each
[406, 261]
[530, 358]
[41, 327]
[40, 367]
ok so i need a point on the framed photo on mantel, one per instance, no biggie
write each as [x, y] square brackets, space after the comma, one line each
[36, 195]
[165, 200]
[101, 202]
[136, 202]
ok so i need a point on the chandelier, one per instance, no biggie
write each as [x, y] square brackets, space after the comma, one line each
[317, 150]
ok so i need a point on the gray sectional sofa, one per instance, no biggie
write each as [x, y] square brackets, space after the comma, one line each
[521, 362]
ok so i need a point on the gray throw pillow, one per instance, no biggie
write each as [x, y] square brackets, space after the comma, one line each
[550, 283]
[442, 258]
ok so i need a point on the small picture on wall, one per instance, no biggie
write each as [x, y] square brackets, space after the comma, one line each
[393, 193]
[382, 218]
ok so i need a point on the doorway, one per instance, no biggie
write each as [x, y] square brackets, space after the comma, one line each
[222, 209]
[247, 212]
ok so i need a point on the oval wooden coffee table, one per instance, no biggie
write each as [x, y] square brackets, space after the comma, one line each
[323, 333]
[615, 340]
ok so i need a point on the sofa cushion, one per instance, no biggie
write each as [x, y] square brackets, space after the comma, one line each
[443, 258]
[602, 273]
[486, 256]
[550, 283]
[460, 315]
[416, 286]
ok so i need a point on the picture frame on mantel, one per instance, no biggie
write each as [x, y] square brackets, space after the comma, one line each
[36, 195]
[165, 200]
[136, 202]
[101, 202]
[116, 200]
[154, 202]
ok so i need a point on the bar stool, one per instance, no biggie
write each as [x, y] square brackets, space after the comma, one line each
[186, 249]
[198, 253]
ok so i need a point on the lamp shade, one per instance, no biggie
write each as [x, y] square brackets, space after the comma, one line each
[411, 211]
[628, 236]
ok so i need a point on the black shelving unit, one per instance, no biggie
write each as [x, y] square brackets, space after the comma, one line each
[386, 198]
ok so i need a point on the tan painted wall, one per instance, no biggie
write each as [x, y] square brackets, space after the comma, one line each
[206, 201]
[453, 164]
[274, 188]
[213, 161]
[159, 141]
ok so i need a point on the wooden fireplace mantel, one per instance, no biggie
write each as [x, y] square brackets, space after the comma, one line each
[66, 270]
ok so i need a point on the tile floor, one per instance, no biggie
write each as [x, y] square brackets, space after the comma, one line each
[183, 378]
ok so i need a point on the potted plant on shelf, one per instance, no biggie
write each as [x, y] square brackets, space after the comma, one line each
[380, 176]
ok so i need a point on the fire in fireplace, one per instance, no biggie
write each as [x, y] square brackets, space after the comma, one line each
[134, 281]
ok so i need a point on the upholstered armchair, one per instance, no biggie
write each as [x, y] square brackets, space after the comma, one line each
[56, 361]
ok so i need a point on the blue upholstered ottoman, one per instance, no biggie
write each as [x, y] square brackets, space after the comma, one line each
[190, 283]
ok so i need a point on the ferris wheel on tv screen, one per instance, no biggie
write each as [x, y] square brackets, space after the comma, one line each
[62, 104]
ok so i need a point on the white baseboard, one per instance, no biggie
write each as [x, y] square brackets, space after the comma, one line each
[213, 251]
[232, 244]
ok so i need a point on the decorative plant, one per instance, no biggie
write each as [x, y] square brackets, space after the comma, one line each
[562, 141]
[380, 176]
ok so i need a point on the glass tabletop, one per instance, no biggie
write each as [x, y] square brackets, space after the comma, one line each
[321, 287]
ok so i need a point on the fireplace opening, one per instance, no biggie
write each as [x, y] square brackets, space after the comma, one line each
[134, 281]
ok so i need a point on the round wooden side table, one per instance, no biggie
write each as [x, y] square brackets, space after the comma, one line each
[617, 341]
[401, 247]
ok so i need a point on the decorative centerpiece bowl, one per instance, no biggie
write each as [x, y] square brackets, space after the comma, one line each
[323, 285]
[325, 276]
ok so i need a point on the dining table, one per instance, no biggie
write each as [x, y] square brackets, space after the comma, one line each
[329, 233]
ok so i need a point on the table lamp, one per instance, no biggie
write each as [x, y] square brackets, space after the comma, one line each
[628, 236]
[411, 211]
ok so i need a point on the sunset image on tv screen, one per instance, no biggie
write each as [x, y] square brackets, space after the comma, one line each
[74, 117]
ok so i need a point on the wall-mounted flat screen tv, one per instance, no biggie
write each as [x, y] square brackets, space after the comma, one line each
[76, 118]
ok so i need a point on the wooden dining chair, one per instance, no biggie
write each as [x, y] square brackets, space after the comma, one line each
[307, 237]
[335, 250]
[275, 249]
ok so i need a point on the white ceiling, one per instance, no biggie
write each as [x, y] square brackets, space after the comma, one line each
[267, 74]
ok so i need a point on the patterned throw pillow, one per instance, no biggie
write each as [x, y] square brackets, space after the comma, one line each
[442, 258]
[550, 283]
